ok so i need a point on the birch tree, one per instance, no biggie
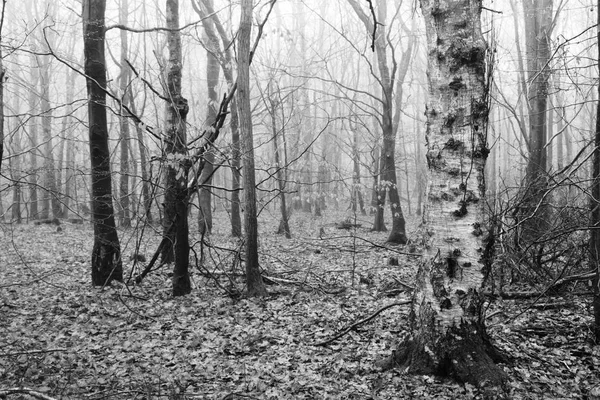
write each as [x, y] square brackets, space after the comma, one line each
[447, 332]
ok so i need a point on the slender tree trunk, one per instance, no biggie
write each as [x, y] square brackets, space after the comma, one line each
[447, 331]
[357, 199]
[226, 63]
[175, 221]
[17, 160]
[124, 81]
[538, 27]
[236, 219]
[50, 199]
[106, 253]
[284, 226]
[146, 178]
[375, 208]
[205, 221]
[388, 184]
[254, 282]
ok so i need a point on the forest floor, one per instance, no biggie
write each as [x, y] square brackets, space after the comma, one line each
[67, 340]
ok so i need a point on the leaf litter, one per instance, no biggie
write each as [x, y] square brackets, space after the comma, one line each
[66, 339]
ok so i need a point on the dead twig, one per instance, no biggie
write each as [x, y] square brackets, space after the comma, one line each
[362, 321]
[23, 390]
[20, 353]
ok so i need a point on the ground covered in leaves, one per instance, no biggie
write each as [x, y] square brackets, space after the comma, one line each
[65, 339]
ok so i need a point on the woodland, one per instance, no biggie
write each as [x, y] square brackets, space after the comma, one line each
[299, 199]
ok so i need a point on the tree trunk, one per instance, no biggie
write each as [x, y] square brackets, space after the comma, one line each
[447, 332]
[16, 162]
[595, 208]
[175, 222]
[284, 226]
[388, 182]
[204, 192]
[357, 199]
[106, 253]
[50, 199]
[124, 215]
[146, 178]
[210, 25]
[254, 282]
[375, 208]
[236, 219]
[538, 27]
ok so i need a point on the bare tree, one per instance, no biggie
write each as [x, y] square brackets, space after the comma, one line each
[219, 45]
[175, 223]
[124, 216]
[254, 282]
[447, 330]
[106, 254]
[538, 28]
[205, 220]
[388, 184]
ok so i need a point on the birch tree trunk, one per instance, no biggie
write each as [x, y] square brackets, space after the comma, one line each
[175, 225]
[254, 282]
[106, 253]
[447, 332]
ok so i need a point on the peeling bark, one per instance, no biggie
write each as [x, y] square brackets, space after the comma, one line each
[447, 332]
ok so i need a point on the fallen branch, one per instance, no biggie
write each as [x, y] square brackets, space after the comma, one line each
[24, 390]
[19, 353]
[362, 321]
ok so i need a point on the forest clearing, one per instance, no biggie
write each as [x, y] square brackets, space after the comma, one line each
[67, 340]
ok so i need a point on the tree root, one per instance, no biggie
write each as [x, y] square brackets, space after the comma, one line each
[463, 357]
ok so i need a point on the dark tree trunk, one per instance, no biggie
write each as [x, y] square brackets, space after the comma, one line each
[175, 223]
[254, 282]
[106, 253]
